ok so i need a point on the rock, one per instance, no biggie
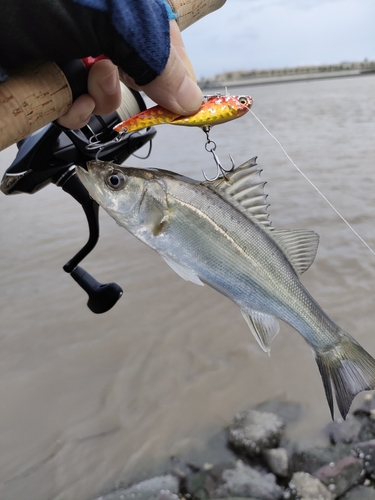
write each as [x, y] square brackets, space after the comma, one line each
[359, 493]
[310, 459]
[306, 487]
[277, 461]
[158, 488]
[180, 468]
[288, 411]
[368, 428]
[245, 481]
[367, 407]
[252, 431]
[366, 452]
[366, 415]
[342, 475]
[344, 431]
[203, 482]
[200, 485]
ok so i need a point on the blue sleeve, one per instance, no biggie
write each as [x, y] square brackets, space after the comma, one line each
[171, 14]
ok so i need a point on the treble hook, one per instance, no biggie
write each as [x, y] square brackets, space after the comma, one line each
[210, 147]
[221, 171]
[94, 143]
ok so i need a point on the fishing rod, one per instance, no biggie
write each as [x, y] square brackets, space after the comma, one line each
[50, 156]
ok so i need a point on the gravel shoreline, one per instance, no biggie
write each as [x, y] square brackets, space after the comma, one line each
[268, 466]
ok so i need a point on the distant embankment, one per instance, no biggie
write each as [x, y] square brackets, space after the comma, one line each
[260, 77]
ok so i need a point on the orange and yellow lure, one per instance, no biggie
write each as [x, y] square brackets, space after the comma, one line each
[214, 110]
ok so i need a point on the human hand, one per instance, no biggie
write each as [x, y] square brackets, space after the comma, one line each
[104, 96]
[175, 89]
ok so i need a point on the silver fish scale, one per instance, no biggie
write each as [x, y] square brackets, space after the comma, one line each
[238, 258]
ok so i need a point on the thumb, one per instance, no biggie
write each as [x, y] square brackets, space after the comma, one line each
[176, 88]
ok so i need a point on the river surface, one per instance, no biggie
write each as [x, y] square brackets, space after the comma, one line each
[88, 401]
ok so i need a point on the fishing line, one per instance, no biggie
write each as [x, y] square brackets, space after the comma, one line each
[312, 184]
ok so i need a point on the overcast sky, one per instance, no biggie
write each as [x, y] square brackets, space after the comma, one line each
[249, 34]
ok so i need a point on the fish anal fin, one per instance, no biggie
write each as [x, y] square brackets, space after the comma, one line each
[300, 246]
[349, 369]
[184, 272]
[263, 326]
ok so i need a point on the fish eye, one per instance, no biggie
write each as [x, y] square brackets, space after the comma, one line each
[243, 100]
[116, 180]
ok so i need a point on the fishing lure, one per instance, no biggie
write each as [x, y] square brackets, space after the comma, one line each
[214, 110]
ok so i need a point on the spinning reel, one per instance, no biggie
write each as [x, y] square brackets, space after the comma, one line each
[51, 155]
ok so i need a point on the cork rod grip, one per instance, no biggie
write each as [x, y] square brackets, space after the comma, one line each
[190, 11]
[31, 99]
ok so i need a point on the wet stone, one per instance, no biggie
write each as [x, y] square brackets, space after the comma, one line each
[310, 459]
[202, 482]
[306, 487]
[367, 407]
[342, 475]
[277, 461]
[180, 468]
[200, 485]
[344, 431]
[157, 488]
[288, 411]
[253, 431]
[359, 493]
[366, 452]
[368, 428]
[245, 481]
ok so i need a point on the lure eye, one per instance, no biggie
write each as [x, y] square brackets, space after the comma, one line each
[116, 181]
[243, 100]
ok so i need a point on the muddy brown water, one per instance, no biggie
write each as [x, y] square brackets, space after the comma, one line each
[88, 401]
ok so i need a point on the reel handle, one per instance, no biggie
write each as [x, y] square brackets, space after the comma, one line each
[102, 296]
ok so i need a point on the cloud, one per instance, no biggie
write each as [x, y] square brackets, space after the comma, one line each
[248, 34]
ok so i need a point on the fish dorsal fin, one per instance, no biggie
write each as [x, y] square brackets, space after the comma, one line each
[243, 188]
[185, 272]
[299, 245]
[263, 326]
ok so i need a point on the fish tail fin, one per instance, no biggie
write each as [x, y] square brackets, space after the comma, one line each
[349, 369]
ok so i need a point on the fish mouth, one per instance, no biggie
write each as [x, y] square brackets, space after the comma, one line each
[84, 175]
[82, 166]
[92, 179]
[82, 171]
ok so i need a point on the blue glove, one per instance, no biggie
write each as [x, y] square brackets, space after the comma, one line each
[134, 34]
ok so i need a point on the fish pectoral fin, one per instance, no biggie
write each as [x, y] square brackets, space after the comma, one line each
[157, 214]
[185, 272]
[300, 246]
[263, 326]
